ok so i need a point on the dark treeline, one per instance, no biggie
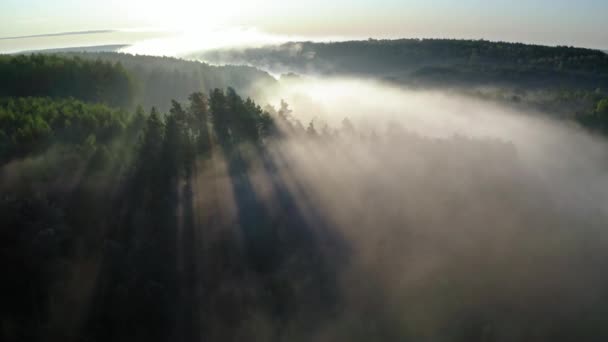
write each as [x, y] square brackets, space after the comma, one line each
[123, 80]
[59, 77]
[162, 79]
[120, 80]
[566, 82]
[433, 61]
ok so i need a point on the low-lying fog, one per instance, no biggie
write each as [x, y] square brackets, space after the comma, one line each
[455, 210]
[548, 146]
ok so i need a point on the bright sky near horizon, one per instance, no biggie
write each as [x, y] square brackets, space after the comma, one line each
[553, 22]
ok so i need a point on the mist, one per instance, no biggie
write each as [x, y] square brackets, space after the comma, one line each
[185, 43]
[322, 209]
[459, 216]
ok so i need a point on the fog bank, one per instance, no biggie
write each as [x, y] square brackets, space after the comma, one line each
[456, 212]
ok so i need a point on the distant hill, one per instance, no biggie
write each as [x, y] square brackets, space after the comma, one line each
[162, 79]
[158, 80]
[95, 48]
[437, 62]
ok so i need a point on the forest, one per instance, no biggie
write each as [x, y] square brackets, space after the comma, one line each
[566, 81]
[49, 75]
[432, 61]
[162, 79]
[157, 199]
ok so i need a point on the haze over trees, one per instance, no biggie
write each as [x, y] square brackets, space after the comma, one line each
[564, 81]
[162, 79]
[205, 214]
[433, 62]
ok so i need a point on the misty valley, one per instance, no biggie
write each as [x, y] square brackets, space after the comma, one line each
[373, 190]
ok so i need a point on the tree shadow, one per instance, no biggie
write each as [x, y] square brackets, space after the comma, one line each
[289, 243]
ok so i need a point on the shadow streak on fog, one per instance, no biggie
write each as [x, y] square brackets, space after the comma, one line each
[460, 216]
[436, 218]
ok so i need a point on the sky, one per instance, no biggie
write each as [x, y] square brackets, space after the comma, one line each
[552, 22]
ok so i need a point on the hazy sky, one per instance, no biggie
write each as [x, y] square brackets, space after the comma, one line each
[565, 22]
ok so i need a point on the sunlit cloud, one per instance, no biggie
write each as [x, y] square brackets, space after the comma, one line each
[179, 43]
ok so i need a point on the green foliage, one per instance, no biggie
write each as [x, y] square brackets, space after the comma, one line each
[236, 120]
[437, 62]
[602, 107]
[199, 113]
[31, 125]
[61, 77]
[162, 79]
[565, 82]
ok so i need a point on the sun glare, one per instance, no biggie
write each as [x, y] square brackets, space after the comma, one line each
[183, 15]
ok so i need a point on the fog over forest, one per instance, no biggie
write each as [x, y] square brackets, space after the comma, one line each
[377, 190]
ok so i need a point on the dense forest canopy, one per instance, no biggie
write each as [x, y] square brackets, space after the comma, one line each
[59, 77]
[433, 61]
[565, 82]
[162, 79]
[118, 79]
[29, 124]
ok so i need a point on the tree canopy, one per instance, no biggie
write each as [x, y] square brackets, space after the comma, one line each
[53, 76]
